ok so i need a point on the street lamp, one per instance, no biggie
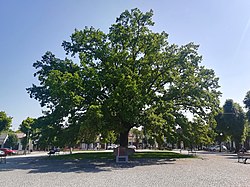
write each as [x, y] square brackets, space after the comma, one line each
[221, 134]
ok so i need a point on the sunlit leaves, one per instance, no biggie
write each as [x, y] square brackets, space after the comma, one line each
[5, 121]
[126, 78]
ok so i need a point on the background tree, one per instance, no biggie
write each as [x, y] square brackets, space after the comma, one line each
[246, 101]
[137, 136]
[26, 128]
[197, 133]
[46, 135]
[247, 106]
[129, 75]
[151, 141]
[5, 121]
[221, 131]
[247, 142]
[232, 123]
[109, 137]
[12, 140]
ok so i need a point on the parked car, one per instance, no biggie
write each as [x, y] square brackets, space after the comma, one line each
[218, 148]
[112, 146]
[2, 153]
[132, 146]
[8, 151]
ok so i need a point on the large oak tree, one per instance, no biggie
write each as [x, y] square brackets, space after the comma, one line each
[128, 77]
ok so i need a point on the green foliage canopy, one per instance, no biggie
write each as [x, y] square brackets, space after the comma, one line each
[232, 122]
[5, 121]
[126, 78]
[247, 104]
[26, 128]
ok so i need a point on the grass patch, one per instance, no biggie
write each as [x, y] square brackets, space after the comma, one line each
[85, 155]
[110, 156]
[159, 155]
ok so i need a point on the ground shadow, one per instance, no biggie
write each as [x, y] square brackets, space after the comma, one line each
[43, 165]
[226, 155]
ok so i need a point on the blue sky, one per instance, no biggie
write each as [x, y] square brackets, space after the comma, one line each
[30, 28]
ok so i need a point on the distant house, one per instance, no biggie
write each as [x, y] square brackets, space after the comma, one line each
[20, 136]
[3, 138]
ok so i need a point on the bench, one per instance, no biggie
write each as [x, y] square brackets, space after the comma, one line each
[122, 155]
[3, 158]
[243, 156]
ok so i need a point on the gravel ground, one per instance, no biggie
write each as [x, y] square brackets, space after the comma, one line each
[211, 169]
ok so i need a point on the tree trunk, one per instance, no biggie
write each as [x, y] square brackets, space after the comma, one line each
[247, 143]
[124, 138]
[232, 146]
[237, 146]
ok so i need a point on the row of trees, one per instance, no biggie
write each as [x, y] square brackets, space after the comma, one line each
[232, 126]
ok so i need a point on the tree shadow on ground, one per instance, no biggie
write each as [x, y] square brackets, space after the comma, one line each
[41, 165]
[226, 155]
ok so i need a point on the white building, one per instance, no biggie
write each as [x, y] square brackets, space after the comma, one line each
[3, 138]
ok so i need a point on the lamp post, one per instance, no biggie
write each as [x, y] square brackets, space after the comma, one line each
[221, 134]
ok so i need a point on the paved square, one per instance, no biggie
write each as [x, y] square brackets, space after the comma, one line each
[212, 169]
